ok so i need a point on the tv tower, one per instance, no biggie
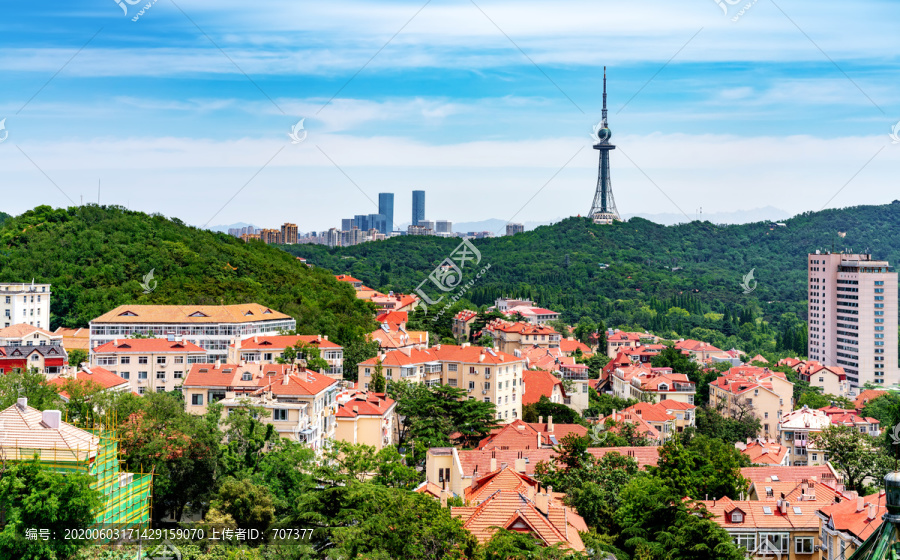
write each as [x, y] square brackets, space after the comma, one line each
[603, 210]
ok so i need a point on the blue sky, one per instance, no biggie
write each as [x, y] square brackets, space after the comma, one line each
[480, 104]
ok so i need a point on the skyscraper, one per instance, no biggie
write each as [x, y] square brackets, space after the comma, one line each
[603, 210]
[386, 209]
[289, 233]
[418, 207]
[853, 316]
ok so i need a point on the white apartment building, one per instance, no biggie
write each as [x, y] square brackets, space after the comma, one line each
[25, 303]
[211, 327]
[149, 364]
[853, 316]
[485, 373]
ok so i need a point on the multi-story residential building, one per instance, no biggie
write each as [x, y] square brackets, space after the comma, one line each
[832, 380]
[771, 528]
[512, 229]
[617, 340]
[753, 391]
[45, 359]
[796, 429]
[443, 227]
[211, 327]
[846, 525]
[853, 419]
[268, 349]
[366, 418]
[270, 236]
[652, 385]
[462, 324]
[853, 316]
[300, 403]
[485, 373]
[289, 233]
[331, 238]
[149, 365]
[418, 207]
[509, 337]
[124, 498]
[25, 303]
[23, 334]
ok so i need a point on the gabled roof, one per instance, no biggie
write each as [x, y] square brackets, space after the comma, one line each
[519, 435]
[763, 514]
[105, 378]
[501, 479]
[370, 404]
[150, 345]
[240, 313]
[445, 352]
[539, 384]
[512, 510]
[279, 379]
[20, 330]
[795, 474]
[22, 352]
[280, 342]
[848, 517]
[866, 396]
[765, 453]
[570, 345]
[25, 430]
[465, 315]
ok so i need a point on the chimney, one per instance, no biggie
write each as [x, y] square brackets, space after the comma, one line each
[255, 339]
[783, 506]
[22, 403]
[51, 418]
[520, 466]
[437, 346]
[860, 503]
[286, 380]
[481, 357]
[218, 364]
[493, 464]
[542, 502]
[444, 494]
[237, 344]
[549, 423]
[873, 511]
[540, 419]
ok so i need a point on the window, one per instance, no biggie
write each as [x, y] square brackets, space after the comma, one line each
[472, 385]
[746, 540]
[142, 375]
[487, 399]
[160, 389]
[106, 361]
[126, 360]
[487, 385]
[280, 414]
[179, 359]
[142, 390]
[196, 400]
[803, 545]
[737, 517]
[246, 376]
[142, 359]
[160, 360]
[123, 374]
[161, 375]
[472, 369]
[451, 367]
[774, 542]
[177, 374]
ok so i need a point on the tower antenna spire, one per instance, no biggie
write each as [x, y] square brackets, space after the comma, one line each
[604, 96]
[603, 209]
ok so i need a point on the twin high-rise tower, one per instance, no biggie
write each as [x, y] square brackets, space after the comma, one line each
[603, 210]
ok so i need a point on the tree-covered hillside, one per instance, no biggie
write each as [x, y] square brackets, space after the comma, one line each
[652, 269]
[96, 258]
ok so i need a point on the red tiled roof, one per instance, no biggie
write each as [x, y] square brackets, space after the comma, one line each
[280, 342]
[501, 479]
[263, 377]
[768, 453]
[862, 523]
[695, 346]
[465, 315]
[521, 327]
[346, 278]
[445, 352]
[371, 404]
[155, 345]
[756, 516]
[760, 475]
[645, 456]
[393, 317]
[570, 345]
[866, 396]
[104, 377]
[24, 329]
[519, 435]
[539, 384]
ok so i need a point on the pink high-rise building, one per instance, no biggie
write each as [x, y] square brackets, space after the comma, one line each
[853, 316]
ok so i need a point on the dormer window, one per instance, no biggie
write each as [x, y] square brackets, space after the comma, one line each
[737, 517]
[248, 313]
[247, 376]
[128, 314]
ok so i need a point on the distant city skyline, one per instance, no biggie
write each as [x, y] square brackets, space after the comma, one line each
[708, 112]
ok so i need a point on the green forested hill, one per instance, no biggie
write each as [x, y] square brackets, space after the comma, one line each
[3, 217]
[96, 258]
[696, 267]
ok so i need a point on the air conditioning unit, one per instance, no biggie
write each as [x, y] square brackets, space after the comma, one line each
[484, 392]
[471, 389]
[487, 375]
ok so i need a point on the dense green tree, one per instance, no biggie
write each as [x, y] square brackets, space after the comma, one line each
[854, 455]
[34, 497]
[243, 504]
[702, 468]
[31, 385]
[561, 413]
[378, 384]
[885, 408]
[77, 356]
[711, 423]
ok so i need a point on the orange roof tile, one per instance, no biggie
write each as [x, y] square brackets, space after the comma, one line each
[280, 342]
[539, 384]
[156, 345]
[240, 313]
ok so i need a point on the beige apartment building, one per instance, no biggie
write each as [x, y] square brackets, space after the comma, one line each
[509, 337]
[485, 373]
[754, 391]
[25, 303]
[832, 380]
[268, 349]
[796, 429]
[853, 316]
[23, 334]
[652, 385]
[150, 365]
[301, 403]
[366, 418]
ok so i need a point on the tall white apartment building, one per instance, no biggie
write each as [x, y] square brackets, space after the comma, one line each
[853, 316]
[25, 303]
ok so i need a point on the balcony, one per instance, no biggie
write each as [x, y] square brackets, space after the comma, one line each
[800, 443]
